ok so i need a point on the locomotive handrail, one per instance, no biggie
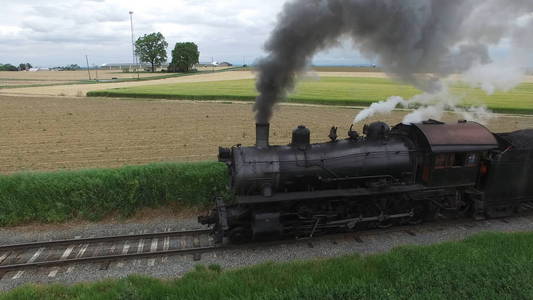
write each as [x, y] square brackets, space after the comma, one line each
[356, 177]
[336, 157]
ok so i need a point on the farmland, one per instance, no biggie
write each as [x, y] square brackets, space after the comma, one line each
[52, 133]
[39, 79]
[53, 128]
[78, 88]
[69, 75]
[147, 138]
[328, 90]
[45, 78]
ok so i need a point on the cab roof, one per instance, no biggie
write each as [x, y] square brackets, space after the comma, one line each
[456, 137]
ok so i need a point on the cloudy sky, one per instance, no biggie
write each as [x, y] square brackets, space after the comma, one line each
[60, 32]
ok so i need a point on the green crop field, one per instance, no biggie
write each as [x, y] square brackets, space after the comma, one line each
[94, 193]
[327, 90]
[487, 266]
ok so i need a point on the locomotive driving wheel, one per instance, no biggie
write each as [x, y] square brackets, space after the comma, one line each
[419, 213]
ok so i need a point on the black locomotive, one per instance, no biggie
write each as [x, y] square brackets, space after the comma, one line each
[403, 175]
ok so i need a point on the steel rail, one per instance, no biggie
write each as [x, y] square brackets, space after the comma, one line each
[98, 258]
[115, 238]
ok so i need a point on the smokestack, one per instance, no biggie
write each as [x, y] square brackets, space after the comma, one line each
[261, 135]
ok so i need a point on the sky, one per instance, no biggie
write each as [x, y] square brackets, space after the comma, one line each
[61, 32]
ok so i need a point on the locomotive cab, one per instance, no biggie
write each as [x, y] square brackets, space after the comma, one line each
[451, 153]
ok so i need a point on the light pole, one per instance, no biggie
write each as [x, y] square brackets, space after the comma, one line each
[88, 68]
[132, 42]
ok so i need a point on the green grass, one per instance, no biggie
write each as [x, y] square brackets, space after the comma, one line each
[487, 266]
[94, 193]
[327, 90]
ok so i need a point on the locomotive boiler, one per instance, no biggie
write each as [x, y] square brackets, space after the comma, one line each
[386, 176]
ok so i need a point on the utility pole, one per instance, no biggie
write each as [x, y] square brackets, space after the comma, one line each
[132, 42]
[88, 69]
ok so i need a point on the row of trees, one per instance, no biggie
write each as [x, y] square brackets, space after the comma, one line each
[152, 48]
[10, 67]
[71, 67]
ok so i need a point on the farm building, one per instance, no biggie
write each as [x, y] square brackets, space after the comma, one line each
[129, 66]
[214, 64]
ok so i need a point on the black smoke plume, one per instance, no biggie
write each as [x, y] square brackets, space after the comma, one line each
[415, 41]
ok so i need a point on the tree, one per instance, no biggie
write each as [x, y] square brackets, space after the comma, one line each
[184, 57]
[152, 48]
[72, 67]
[8, 67]
[25, 67]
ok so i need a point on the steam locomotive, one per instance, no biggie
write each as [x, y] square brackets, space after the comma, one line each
[387, 176]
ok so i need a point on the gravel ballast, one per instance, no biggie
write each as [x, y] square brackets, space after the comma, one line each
[363, 243]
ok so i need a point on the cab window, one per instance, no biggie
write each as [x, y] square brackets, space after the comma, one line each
[442, 160]
[448, 160]
[471, 160]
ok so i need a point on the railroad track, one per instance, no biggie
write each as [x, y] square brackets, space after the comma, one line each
[53, 254]
[17, 257]
[56, 253]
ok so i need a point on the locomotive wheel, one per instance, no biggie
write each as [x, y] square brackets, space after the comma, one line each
[385, 207]
[240, 235]
[385, 224]
[419, 210]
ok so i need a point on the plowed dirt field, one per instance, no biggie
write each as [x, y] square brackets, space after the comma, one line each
[50, 133]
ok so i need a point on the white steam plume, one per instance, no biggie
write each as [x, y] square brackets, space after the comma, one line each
[428, 106]
[382, 107]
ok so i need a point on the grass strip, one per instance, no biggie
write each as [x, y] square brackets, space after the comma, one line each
[486, 266]
[347, 91]
[94, 193]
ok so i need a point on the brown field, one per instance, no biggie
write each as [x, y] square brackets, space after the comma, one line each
[11, 79]
[50, 133]
[21, 82]
[57, 77]
[82, 89]
[71, 75]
